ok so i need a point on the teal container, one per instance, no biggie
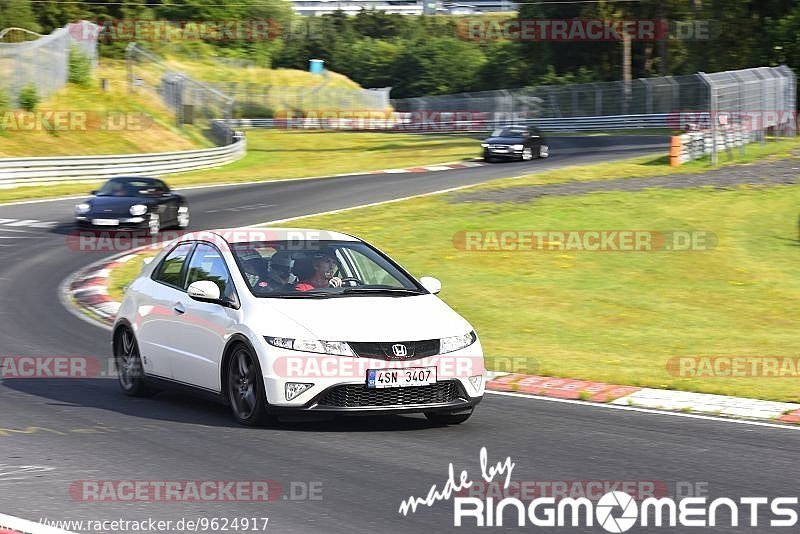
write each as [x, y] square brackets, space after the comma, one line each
[316, 66]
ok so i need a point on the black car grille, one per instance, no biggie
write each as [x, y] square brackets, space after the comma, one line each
[359, 396]
[383, 351]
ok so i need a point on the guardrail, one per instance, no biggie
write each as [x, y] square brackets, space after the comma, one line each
[42, 170]
[452, 122]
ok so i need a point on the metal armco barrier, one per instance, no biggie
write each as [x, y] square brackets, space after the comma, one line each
[450, 122]
[36, 171]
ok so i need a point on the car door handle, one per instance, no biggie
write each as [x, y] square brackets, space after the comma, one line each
[179, 309]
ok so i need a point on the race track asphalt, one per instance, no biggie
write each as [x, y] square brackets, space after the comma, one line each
[86, 430]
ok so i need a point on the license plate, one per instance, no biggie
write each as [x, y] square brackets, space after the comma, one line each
[400, 378]
[105, 222]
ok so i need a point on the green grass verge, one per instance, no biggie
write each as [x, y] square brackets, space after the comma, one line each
[615, 317]
[277, 155]
[122, 275]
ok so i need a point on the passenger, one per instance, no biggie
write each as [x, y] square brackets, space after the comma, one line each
[280, 276]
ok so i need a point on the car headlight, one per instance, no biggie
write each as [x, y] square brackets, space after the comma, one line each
[83, 207]
[484, 145]
[336, 348]
[138, 209]
[517, 147]
[449, 344]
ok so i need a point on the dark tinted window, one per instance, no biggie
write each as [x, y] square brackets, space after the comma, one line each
[171, 269]
[207, 264]
[132, 187]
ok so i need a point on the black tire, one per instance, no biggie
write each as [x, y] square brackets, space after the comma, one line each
[449, 418]
[154, 225]
[183, 218]
[527, 153]
[129, 365]
[245, 387]
[544, 151]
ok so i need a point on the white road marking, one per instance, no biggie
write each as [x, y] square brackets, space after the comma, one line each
[21, 472]
[23, 525]
[31, 223]
[646, 410]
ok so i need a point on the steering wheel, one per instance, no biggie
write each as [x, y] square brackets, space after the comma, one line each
[338, 282]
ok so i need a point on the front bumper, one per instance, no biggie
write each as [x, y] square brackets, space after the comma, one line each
[321, 403]
[489, 153]
[339, 383]
[122, 223]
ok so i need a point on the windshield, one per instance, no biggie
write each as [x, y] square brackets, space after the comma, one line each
[132, 188]
[320, 269]
[510, 132]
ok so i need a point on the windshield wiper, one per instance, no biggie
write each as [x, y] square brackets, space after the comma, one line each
[302, 294]
[381, 290]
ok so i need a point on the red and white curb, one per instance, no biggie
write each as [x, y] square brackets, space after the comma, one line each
[659, 399]
[88, 290]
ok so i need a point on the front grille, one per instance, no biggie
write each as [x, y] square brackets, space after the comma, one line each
[383, 351]
[359, 396]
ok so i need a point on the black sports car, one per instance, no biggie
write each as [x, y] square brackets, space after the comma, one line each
[133, 202]
[515, 142]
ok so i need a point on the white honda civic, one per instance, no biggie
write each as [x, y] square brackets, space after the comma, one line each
[279, 321]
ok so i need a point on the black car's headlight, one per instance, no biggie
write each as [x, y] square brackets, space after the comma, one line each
[82, 208]
[485, 145]
[138, 209]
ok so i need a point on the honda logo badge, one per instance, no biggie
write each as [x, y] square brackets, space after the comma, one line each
[399, 350]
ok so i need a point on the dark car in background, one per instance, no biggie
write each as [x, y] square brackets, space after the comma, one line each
[515, 142]
[133, 202]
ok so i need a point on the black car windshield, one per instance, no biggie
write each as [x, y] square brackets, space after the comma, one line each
[320, 269]
[131, 187]
[510, 132]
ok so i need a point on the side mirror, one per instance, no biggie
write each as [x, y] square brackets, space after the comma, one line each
[205, 291]
[431, 284]
[93, 192]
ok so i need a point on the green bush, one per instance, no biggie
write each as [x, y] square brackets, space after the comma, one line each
[80, 67]
[28, 98]
[3, 100]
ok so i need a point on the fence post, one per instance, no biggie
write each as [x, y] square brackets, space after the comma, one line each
[712, 113]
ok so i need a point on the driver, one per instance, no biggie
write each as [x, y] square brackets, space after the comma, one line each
[317, 273]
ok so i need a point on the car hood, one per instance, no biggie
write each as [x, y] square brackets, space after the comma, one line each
[505, 140]
[358, 318]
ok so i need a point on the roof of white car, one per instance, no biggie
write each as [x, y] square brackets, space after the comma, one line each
[250, 235]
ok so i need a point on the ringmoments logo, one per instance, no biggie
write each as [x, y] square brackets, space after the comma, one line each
[615, 511]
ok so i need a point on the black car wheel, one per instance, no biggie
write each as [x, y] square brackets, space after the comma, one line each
[183, 217]
[154, 224]
[544, 151]
[246, 388]
[527, 153]
[129, 364]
